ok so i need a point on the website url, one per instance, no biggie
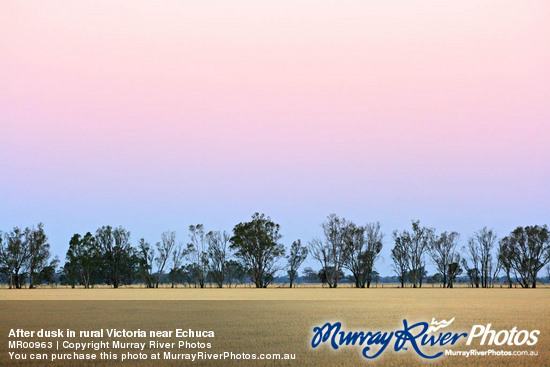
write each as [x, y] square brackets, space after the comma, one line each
[228, 355]
[491, 353]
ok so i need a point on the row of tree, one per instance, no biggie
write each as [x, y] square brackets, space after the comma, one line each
[26, 252]
[254, 252]
[521, 255]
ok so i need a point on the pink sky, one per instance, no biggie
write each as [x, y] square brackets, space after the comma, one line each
[157, 115]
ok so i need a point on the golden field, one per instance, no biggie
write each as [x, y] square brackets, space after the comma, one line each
[280, 320]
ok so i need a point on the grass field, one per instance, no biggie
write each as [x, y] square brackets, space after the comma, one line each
[280, 320]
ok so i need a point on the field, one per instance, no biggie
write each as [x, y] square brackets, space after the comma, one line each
[280, 320]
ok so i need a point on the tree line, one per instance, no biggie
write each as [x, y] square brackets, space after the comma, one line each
[253, 253]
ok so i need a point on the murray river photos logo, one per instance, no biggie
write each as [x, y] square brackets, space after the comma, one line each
[420, 337]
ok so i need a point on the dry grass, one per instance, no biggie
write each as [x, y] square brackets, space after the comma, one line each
[270, 294]
[281, 320]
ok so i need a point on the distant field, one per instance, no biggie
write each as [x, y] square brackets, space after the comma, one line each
[281, 319]
[278, 293]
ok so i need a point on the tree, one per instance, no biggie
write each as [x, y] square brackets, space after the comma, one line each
[422, 274]
[47, 273]
[14, 254]
[375, 277]
[367, 244]
[453, 270]
[310, 275]
[117, 257]
[256, 244]
[530, 252]
[400, 258]
[335, 250]
[178, 255]
[218, 246]
[82, 258]
[505, 257]
[436, 278]
[486, 240]
[235, 273]
[3, 264]
[298, 254]
[481, 266]
[354, 262]
[164, 250]
[39, 251]
[324, 275]
[472, 264]
[415, 244]
[189, 272]
[198, 250]
[146, 257]
[69, 275]
[443, 253]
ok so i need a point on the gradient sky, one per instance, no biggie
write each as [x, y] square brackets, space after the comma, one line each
[158, 115]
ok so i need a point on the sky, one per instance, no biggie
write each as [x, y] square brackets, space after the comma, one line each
[158, 115]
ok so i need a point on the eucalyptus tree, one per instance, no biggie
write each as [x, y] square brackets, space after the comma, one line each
[256, 245]
[235, 273]
[530, 252]
[39, 252]
[218, 252]
[400, 258]
[443, 251]
[334, 250]
[472, 262]
[164, 250]
[117, 255]
[415, 244]
[366, 246]
[505, 257]
[178, 255]
[14, 254]
[481, 265]
[146, 258]
[198, 252]
[487, 240]
[296, 257]
[82, 259]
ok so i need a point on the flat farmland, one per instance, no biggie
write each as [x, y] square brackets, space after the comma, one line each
[279, 320]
